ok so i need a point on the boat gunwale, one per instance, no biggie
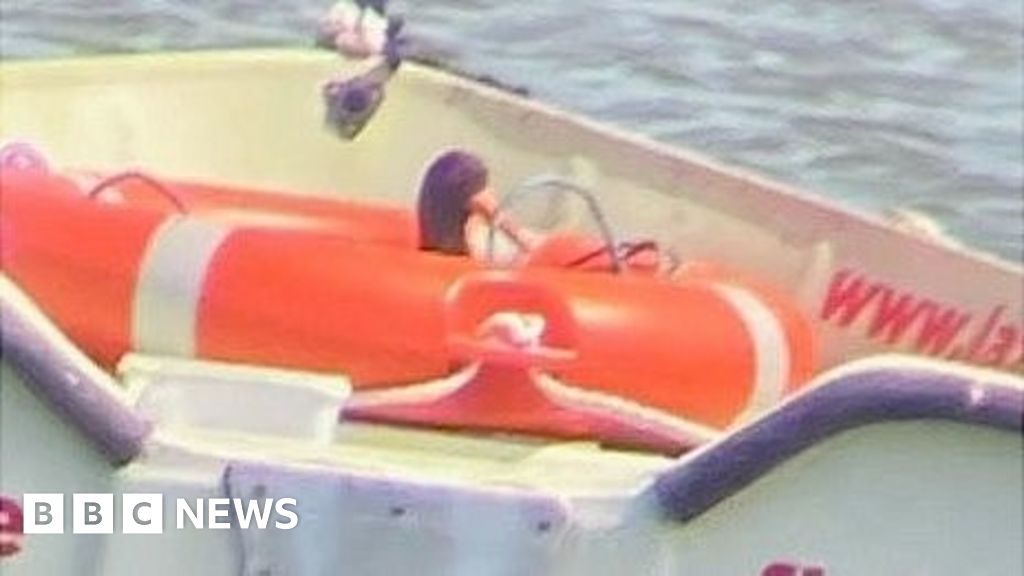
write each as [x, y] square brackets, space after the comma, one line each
[57, 372]
[874, 391]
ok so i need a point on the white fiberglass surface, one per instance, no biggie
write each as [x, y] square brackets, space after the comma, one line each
[894, 498]
[41, 453]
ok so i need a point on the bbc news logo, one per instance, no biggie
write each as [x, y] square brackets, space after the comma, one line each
[144, 513]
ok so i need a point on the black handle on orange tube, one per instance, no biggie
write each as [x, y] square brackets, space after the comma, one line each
[540, 183]
[153, 183]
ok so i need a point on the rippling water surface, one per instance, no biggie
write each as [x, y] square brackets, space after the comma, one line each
[888, 105]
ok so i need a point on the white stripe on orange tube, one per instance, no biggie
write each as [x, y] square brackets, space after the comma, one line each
[771, 348]
[170, 285]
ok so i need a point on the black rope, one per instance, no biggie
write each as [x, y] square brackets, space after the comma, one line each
[626, 251]
[155, 184]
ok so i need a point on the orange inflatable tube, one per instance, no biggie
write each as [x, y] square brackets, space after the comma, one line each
[335, 286]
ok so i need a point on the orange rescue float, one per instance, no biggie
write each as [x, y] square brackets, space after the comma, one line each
[334, 286]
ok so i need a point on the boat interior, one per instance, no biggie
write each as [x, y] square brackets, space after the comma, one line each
[176, 426]
[110, 118]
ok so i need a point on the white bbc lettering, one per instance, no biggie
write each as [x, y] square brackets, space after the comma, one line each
[218, 508]
[194, 516]
[43, 513]
[92, 514]
[246, 511]
[281, 508]
[142, 514]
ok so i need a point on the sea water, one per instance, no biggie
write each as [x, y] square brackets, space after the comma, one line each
[913, 108]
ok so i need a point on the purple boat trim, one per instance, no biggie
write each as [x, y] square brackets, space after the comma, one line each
[875, 395]
[58, 378]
